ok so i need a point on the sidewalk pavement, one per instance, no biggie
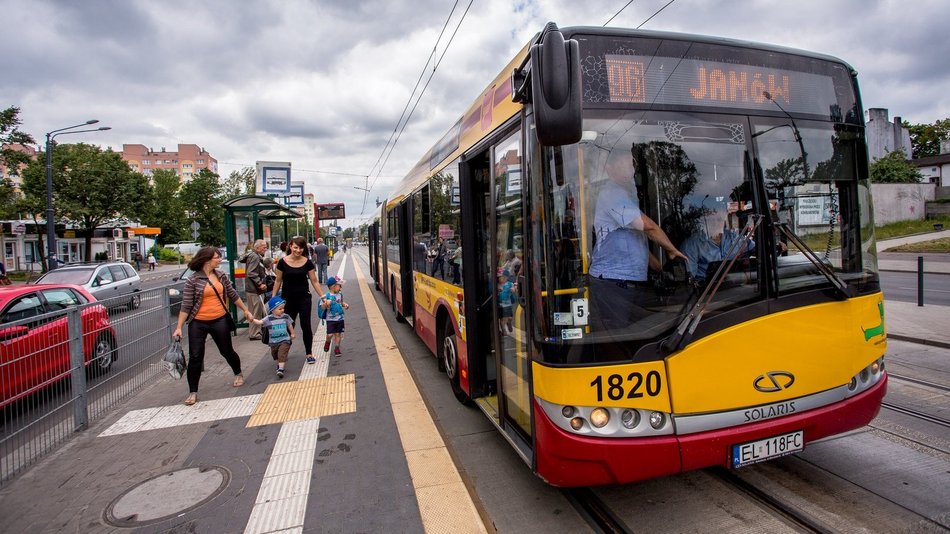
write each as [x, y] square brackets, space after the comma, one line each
[906, 321]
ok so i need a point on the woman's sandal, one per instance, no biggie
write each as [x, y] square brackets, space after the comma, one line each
[191, 399]
[238, 381]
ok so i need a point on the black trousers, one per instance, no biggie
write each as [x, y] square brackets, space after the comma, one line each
[197, 335]
[301, 305]
[616, 305]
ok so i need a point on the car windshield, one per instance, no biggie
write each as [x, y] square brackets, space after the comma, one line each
[67, 276]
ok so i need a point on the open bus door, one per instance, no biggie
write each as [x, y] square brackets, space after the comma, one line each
[493, 225]
[373, 245]
[405, 306]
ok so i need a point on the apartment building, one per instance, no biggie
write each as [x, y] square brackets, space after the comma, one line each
[14, 174]
[186, 161]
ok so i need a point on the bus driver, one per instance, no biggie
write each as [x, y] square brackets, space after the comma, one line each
[618, 272]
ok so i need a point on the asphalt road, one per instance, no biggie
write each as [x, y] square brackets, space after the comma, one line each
[902, 286]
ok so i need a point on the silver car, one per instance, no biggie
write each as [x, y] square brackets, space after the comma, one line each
[116, 283]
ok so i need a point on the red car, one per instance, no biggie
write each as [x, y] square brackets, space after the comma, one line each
[34, 338]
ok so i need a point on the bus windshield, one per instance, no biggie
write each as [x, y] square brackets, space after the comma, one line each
[651, 207]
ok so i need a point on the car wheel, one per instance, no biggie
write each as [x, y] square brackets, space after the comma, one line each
[136, 301]
[449, 357]
[103, 355]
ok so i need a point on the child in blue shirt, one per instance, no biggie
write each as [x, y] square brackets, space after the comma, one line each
[505, 300]
[280, 330]
[333, 303]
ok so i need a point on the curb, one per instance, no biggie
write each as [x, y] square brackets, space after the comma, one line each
[919, 341]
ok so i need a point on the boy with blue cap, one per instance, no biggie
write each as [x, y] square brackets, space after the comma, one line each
[333, 303]
[280, 330]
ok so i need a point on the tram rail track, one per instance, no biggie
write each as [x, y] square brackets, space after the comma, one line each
[596, 512]
[916, 414]
[789, 514]
[918, 381]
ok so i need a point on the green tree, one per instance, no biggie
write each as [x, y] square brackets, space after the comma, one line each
[90, 187]
[166, 211]
[785, 173]
[925, 138]
[201, 199]
[672, 176]
[239, 183]
[10, 134]
[11, 159]
[894, 169]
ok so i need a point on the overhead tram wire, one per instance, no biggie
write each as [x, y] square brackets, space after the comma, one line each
[617, 13]
[655, 14]
[408, 101]
[411, 94]
[434, 68]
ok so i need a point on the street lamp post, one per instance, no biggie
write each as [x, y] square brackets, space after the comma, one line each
[50, 214]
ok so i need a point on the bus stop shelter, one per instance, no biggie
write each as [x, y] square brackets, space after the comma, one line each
[244, 219]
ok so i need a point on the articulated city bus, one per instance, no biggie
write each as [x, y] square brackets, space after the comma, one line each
[641, 253]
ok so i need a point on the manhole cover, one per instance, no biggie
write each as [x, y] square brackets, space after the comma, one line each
[167, 495]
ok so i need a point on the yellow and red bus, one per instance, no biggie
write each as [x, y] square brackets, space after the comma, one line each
[715, 302]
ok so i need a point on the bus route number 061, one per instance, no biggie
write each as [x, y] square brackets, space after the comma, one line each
[633, 387]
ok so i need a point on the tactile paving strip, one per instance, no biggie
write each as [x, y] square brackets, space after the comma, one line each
[305, 399]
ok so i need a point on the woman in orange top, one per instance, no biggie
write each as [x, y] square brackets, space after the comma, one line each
[203, 304]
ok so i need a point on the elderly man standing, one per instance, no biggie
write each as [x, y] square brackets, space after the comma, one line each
[255, 284]
[321, 254]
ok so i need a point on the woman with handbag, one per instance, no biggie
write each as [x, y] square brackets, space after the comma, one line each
[294, 273]
[204, 306]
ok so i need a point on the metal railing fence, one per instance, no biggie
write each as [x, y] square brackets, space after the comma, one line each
[62, 370]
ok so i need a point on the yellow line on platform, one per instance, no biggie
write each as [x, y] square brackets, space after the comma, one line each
[444, 502]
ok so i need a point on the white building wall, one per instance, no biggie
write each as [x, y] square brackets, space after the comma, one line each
[884, 136]
[900, 202]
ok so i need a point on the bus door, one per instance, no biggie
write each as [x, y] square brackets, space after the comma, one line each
[475, 232]
[404, 309]
[496, 329]
[507, 244]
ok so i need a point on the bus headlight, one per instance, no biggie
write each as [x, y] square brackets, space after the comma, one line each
[630, 418]
[853, 384]
[567, 412]
[599, 417]
[656, 420]
[577, 423]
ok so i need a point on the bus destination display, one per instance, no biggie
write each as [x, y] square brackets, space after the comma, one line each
[691, 82]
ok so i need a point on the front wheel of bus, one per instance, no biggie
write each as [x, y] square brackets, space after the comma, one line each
[449, 360]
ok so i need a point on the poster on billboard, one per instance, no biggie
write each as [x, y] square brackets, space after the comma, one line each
[326, 212]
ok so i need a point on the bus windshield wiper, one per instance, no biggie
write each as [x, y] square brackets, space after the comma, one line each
[840, 285]
[684, 332]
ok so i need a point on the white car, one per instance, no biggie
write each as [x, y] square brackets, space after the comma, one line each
[116, 283]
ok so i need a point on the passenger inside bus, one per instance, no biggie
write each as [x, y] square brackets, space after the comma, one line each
[621, 259]
[711, 244]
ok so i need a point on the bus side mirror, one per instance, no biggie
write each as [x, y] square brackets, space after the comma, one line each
[555, 87]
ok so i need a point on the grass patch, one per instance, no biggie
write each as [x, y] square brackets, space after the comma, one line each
[905, 228]
[937, 245]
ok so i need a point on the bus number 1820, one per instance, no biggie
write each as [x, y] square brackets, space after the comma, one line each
[631, 388]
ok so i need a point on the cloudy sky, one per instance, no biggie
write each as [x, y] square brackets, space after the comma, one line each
[322, 83]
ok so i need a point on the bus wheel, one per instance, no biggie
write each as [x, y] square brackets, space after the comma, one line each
[449, 360]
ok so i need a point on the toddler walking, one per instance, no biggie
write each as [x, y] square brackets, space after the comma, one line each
[280, 332]
[333, 303]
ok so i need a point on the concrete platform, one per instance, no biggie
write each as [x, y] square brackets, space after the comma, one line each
[343, 445]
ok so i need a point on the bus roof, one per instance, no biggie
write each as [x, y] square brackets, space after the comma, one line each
[494, 106]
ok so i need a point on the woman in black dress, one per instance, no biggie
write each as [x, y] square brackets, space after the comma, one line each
[294, 271]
